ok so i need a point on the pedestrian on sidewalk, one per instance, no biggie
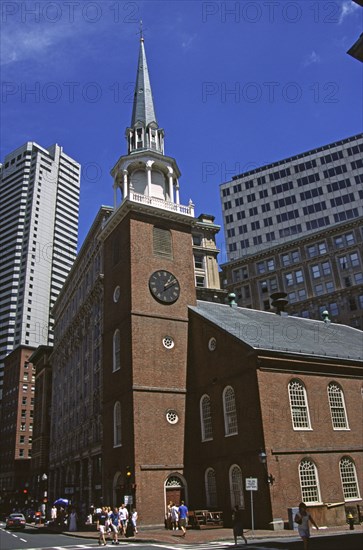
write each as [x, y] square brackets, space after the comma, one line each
[174, 517]
[183, 518]
[102, 519]
[115, 524]
[237, 523]
[302, 518]
[134, 517]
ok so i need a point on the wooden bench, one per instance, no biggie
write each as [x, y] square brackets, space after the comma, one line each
[205, 519]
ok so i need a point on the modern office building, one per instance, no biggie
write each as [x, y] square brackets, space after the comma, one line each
[296, 226]
[297, 196]
[39, 201]
[318, 272]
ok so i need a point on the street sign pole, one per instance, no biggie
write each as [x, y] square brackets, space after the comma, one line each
[252, 518]
[252, 485]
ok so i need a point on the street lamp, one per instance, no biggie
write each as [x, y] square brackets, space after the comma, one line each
[263, 459]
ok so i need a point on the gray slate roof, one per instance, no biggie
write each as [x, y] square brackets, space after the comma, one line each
[269, 331]
[143, 108]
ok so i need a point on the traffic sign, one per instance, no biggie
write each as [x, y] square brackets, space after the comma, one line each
[251, 484]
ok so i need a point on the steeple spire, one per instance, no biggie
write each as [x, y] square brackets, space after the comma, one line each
[146, 175]
[143, 109]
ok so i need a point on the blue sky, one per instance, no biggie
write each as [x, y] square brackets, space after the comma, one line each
[236, 84]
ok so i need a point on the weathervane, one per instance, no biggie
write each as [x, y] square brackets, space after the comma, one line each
[141, 31]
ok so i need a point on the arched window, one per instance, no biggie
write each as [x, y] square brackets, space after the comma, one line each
[337, 407]
[206, 418]
[117, 424]
[349, 478]
[309, 482]
[236, 486]
[210, 488]
[116, 351]
[299, 406]
[230, 413]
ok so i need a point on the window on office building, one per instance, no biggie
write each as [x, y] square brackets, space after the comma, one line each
[316, 249]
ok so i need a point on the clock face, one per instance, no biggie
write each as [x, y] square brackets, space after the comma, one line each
[164, 286]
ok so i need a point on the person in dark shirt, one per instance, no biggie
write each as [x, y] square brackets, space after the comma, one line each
[237, 524]
[102, 519]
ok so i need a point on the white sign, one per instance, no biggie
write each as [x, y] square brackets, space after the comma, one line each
[128, 500]
[251, 484]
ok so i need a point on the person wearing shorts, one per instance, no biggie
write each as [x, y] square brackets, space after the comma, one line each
[183, 517]
[101, 525]
[115, 524]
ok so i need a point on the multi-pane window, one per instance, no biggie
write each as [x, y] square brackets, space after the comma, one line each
[309, 482]
[299, 406]
[294, 277]
[239, 274]
[268, 285]
[236, 486]
[211, 488]
[290, 258]
[316, 249]
[199, 261]
[230, 413]
[350, 260]
[116, 351]
[344, 240]
[206, 418]
[337, 407]
[349, 479]
[264, 266]
[117, 424]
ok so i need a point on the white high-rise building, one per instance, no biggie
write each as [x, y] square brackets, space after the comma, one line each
[39, 204]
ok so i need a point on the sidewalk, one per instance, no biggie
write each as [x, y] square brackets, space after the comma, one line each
[195, 536]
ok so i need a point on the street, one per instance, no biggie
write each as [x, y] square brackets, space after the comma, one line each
[33, 539]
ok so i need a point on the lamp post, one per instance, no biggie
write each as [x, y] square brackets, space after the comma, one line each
[263, 459]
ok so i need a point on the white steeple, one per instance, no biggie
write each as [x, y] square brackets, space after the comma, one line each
[146, 174]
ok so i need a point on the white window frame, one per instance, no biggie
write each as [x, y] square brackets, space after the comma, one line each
[117, 433]
[236, 486]
[309, 481]
[349, 479]
[210, 488]
[299, 401]
[116, 346]
[338, 411]
[230, 412]
[206, 426]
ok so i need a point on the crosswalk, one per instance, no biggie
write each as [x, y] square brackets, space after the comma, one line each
[161, 546]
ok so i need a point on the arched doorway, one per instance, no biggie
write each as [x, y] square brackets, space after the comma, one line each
[175, 489]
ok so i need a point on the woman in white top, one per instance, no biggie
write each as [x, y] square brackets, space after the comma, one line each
[302, 519]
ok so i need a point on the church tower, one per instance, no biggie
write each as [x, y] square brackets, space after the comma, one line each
[146, 174]
[149, 281]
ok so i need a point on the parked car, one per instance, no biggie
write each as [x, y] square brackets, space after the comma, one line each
[15, 521]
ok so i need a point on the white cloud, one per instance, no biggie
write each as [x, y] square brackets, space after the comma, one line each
[348, 7]
[25, 43]
[312, 59]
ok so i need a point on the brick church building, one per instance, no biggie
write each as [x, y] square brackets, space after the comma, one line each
[160, 395]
